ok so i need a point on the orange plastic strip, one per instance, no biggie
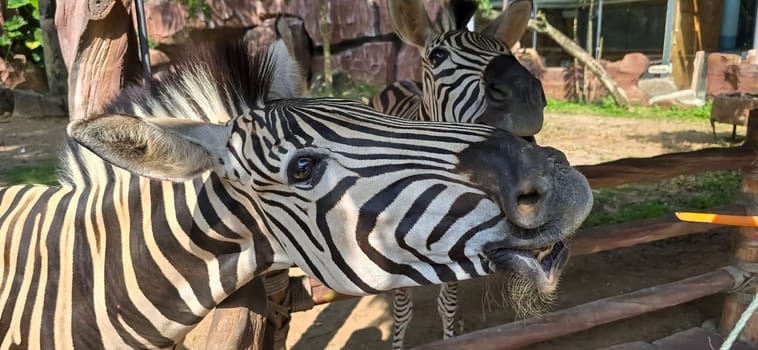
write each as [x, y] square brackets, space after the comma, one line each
[732, 220]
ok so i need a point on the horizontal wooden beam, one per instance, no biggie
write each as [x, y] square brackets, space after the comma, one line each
[608, 237]
[630, 170]
[568, 321]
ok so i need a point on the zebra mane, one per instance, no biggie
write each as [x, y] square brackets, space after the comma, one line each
[214, 84]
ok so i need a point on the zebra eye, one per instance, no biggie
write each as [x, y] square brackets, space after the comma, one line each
[301, 169]
[437, 56]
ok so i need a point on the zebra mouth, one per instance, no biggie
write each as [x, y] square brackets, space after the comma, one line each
[551, 258]
[542, 265]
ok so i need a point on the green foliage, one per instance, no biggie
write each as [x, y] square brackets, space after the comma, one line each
[43, 173]
[654, 199]
[484, 8]
[21, 32]
[607, 107]
[343, 87]
[195, 5]
[361, 92]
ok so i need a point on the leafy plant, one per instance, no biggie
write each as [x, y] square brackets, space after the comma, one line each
[484, 8]
[21, 32]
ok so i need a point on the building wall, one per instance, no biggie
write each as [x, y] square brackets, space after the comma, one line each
[697, 27]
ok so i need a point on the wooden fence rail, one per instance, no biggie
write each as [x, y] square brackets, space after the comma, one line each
[630, 170]
[567, 321]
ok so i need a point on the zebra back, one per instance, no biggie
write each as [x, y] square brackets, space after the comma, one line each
[400, 99]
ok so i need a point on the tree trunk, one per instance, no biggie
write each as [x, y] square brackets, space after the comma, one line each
[99, 48]
[540, 25]
[586, 86]
[577, 72]
[326, 32]
[54, 68]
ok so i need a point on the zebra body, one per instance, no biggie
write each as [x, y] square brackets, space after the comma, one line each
[467, 77]
[401, 99]
[162, 212]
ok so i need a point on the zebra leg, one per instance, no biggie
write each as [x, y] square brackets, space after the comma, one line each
[447, 305]
[402, 312]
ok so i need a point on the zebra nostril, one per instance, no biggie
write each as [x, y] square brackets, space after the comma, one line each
[498, 92]
[528, 199]
[528, 204]
[529, 211]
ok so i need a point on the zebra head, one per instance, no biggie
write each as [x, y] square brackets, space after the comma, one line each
[472, 77]
[363, 202]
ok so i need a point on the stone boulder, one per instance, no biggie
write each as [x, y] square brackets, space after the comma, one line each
[627, 73]
[30, 104]
[12, 71]
[747, 78]
[722, 74]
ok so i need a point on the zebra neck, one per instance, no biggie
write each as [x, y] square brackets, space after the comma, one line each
[204, 225]
[173, 251]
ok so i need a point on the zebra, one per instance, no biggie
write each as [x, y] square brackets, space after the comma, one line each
[163, 212]
[467, 77]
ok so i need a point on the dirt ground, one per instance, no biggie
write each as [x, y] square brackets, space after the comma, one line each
[366, 323]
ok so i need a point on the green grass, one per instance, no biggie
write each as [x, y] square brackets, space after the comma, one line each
[607, 108]
[654, 199]
[43, 173]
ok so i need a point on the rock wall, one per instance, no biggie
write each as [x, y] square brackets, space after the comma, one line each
[362, 42]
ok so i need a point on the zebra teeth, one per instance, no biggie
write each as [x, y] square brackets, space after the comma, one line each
[540, 253]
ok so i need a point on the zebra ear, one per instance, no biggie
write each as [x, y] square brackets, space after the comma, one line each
[160, 148]
[410, 21]
[510, 25]
[459, 13]
[288, 81]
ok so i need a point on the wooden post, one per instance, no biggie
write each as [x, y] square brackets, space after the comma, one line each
[747, 246]
[99, 47]
[243, 324]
